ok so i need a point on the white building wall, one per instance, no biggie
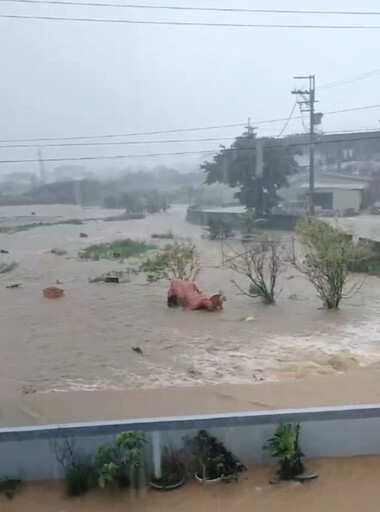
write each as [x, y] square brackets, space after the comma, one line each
[344, 199]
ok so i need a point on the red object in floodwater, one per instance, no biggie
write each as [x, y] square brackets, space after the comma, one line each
[53, 292]
[186, 294]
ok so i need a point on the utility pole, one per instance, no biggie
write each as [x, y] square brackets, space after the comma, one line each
[308, 105]
[43, 172]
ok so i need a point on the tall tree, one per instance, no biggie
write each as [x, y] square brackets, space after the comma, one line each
[236, 166]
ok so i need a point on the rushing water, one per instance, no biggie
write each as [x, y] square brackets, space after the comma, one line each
[85, 340]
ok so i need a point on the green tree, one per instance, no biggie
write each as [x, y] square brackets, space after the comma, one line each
[236, 166]
[328, 254]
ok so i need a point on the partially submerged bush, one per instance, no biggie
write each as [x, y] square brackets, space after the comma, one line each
[179, 260]
[117, 250]
[78, 478]
[328, 255]
[9, 486]
[218, 229]
[8, 267]
[114, 276]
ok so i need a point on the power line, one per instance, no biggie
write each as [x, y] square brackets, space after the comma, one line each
[117, 143]
[181, 153]
[134, 134]
[187, 23]
[178, 130]
[357, 78]
[199, 9]
[288, 120]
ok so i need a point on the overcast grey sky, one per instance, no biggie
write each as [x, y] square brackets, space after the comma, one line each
[61, 79]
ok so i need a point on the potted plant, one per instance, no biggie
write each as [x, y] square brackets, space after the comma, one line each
[213, 462]
[173, 471]
[76, 467]
[284, 446]
[120, 464]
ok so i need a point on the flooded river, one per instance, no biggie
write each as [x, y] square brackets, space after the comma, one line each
[84, 340]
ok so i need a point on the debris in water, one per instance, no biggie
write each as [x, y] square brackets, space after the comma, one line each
[16, 285]
[111, 279]
[137, 349]
[53, 292]
[58, 252]
[186, 294]
[3, 251]
[28, 389]
[83, 235]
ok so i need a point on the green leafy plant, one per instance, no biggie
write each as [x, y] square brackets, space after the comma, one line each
[212, 459]
[284, 446]
[8, 267]
[117, 250]
[179, 260]
[328, 255]
[119, 464]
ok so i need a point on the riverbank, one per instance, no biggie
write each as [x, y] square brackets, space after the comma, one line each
[354, 387]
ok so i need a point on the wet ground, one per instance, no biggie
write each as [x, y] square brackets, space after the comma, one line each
[84, 340]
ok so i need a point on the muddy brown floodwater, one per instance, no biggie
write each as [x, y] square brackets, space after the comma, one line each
[343, 485]
[84, 341]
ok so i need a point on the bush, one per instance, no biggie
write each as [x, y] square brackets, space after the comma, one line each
[261, 262]
[218, 230]
[328, 256]
[78, 478]
[77, 469]
[180, 261]
[118, 250]
[8, 267]
[9, 486]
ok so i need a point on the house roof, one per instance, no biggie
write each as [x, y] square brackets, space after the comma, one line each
[337, 186]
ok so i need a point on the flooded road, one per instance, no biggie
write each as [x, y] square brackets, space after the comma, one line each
[84, 341]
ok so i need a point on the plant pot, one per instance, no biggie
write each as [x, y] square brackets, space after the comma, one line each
[53, 292]
[207, 482]
[170, 487]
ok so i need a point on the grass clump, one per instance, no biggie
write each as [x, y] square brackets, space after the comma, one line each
[117, 250]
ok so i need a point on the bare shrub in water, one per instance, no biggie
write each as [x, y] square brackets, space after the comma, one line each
[261, 262]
